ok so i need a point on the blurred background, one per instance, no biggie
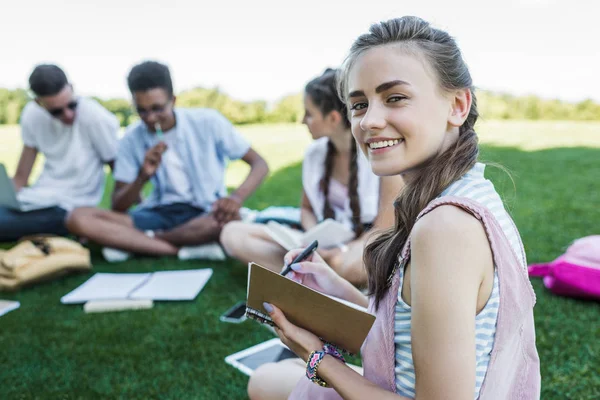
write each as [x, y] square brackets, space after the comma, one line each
[531, 59]
[534, 62]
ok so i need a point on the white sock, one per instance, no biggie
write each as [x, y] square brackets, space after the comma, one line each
[115, 255]
[209, 251]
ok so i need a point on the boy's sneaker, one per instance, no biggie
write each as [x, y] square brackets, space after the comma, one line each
[115, 255]
[209, 251]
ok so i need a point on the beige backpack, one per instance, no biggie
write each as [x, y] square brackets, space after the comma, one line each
[41, 258]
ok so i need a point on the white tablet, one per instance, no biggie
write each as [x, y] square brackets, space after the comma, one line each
[250, 359]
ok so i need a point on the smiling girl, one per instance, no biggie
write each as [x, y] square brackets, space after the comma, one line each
[448, 282]
[337, 183]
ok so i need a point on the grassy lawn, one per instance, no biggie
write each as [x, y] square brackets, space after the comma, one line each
[176, 350]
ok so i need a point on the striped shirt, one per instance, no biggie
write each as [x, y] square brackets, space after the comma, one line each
[474, 186]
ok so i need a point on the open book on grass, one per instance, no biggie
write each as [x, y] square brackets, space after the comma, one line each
[329, 233]
[334, 320]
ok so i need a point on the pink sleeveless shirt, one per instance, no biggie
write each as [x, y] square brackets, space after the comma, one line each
[513, 372]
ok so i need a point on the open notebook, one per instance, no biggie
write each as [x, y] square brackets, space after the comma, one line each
[334, 320]
[329, 233]
[160, 285]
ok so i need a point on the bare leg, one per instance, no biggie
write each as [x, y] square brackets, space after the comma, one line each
[112, 229]
[275, 381]
[350, 264]
[197, 231]
[250, 242]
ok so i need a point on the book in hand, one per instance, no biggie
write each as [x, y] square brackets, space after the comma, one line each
[329, 233]
[334, 320]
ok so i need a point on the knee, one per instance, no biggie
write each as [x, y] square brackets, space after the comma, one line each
[230, 237]
[260, 380]
[75, 221]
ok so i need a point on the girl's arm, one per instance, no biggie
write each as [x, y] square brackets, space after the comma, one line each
[449, 259]
[317, 275]
[307, 215]
[348, 383]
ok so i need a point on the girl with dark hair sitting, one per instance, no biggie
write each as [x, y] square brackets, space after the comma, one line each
[337, 183]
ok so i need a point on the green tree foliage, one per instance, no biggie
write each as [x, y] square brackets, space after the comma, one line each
[504, 106]
[236, 111]
[12, 103]
[288, 109]
[492, 105]
[121, 108]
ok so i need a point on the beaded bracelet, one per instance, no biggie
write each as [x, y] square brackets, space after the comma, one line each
[314, 360]
[333, 351]
[312, 364]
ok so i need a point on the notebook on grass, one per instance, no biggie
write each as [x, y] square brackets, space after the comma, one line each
[334, 320]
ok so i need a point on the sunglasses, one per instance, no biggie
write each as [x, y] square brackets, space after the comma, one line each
[57, 112]
[155, 109]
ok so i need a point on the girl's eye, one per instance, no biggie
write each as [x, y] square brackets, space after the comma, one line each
[395, 99]
[358, 106]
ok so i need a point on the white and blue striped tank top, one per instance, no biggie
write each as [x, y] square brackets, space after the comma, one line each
[475, 187]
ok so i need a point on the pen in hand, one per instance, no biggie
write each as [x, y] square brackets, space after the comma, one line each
[301, 257]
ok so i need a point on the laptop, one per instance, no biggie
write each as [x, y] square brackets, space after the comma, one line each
[8, 196]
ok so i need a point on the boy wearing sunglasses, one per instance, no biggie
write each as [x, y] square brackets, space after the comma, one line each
[77, 137]
[183, 153]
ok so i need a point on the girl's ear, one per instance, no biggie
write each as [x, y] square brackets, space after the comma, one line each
[334, 117]
[460, 104]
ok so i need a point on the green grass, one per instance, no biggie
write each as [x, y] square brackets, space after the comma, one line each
[176, 350]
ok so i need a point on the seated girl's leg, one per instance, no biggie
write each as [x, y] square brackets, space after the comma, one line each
[349, 264]
[275, 381]
[251, 243]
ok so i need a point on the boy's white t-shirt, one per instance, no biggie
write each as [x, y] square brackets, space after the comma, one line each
[178, 187]
[73, 171]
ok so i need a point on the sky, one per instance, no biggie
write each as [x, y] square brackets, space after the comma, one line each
[265, 49]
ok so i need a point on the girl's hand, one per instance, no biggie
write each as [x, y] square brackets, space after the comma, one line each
[314, 273]
[300, 341]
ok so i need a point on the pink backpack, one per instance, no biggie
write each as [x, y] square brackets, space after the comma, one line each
[575, 273]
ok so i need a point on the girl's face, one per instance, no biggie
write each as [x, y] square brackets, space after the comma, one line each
[400, 117]
[318, 124]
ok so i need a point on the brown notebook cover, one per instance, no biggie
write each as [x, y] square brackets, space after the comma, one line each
[344, 325]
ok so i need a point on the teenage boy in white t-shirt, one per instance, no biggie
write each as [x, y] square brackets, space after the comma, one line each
[183, 152]
[77, 137]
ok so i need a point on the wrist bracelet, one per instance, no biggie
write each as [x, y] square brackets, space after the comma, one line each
[312, 364]
[315, 358]
[333, 351]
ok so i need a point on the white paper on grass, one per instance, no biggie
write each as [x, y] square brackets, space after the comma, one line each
[165, 285]
[7, 306]
[173, 285]
[104, 286]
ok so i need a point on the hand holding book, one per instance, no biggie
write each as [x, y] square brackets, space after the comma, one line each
[338, 321]
[300, 341]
